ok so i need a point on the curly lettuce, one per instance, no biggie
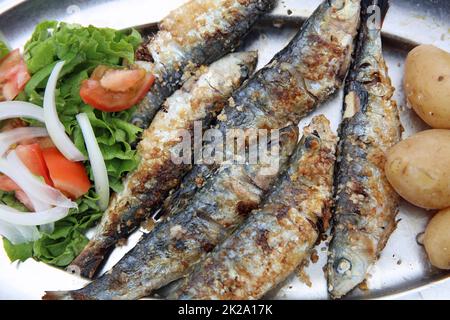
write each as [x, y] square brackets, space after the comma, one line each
[4, 50]
[82, 49]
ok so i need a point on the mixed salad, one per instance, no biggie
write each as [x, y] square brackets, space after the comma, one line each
[65, 137]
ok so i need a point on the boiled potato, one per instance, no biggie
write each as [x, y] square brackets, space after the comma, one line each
[427, 85]
[418, 168]
[437, 240]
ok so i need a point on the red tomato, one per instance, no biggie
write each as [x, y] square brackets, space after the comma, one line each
[13, 75]
[112, 90]
[69, 177]
[32, 158]
[7, 185]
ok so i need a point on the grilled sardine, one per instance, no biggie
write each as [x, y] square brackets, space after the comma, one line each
[195, 34]
[366, 205]
[275, 239]
[200, 99]
[299, 78]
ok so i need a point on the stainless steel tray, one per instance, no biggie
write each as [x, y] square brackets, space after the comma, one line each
[403, 266]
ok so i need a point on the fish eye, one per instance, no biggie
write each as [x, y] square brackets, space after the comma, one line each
[343, 265]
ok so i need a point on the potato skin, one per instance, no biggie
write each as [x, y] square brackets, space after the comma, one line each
[437, 240]
[427, 85]
[418, 168]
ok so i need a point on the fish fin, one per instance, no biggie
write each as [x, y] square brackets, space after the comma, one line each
[58, 295]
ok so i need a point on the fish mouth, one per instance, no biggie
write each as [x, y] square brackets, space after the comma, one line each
[345, 271]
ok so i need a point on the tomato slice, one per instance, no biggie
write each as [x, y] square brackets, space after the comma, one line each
[32, 158]
[13, 75]
[122, 80]
[113, 90]
[31, 155]
[67, 176]
[7, 185]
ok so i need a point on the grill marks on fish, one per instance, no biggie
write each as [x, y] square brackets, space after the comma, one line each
[200, 99]
[195, 34]
[269, 100]
[366, 205]
[275, 239]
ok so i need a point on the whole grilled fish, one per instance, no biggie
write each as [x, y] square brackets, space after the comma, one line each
[200, 99]
[299, 78]
[366, 205]
[197, 33]
[275, 239]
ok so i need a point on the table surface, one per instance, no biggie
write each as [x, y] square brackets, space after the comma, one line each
[438, 291]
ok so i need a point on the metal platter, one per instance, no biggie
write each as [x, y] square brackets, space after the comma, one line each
[402, 270]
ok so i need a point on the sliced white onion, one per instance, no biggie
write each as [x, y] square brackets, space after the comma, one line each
[37, 218]
[11, 137]
[18, 234]
[54, 126]
[35, 189]
[96, 159]
[19, 109]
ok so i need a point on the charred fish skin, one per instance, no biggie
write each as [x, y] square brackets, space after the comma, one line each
[232, 192]
[195, 34]
[366, 205]
[200, 99]
[166, 253]
[274, 240]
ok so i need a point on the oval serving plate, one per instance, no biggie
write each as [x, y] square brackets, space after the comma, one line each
[403, 266]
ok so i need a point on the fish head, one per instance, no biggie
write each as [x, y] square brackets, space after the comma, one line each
[331, 42]
[348, 262]
[345, 9]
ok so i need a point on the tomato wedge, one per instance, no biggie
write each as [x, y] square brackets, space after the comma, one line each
[32, 157]
[69, 177]
[7, 185]
[13, 75]
[113, 90]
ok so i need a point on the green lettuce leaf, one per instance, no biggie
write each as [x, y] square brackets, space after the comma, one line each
[4, 50]
[19, 252]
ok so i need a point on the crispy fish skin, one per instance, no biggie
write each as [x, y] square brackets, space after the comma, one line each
[366, 205]
[193, 228]
[200, 99]
[275, 239]
[165, 254]
[195, 34]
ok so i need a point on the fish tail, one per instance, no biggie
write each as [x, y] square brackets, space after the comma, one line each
[375, 7]
[58, 295]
